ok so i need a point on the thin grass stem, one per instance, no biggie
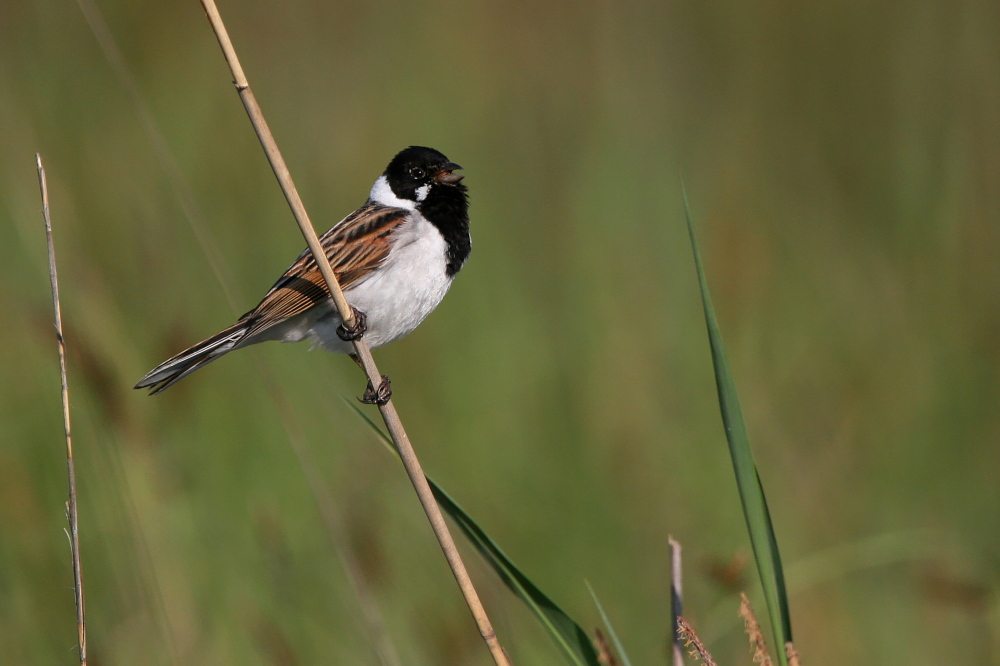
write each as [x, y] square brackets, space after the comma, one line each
[71, 513]
[388, 410]
[607, 624]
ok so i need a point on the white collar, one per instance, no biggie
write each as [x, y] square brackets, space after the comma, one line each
[383, 194]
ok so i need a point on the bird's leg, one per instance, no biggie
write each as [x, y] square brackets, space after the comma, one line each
[377, 396]
[352, 333]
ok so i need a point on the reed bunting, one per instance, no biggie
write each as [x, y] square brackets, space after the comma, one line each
[394, 257]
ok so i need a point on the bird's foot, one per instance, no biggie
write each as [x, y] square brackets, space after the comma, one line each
[352, 333]
[377, 396]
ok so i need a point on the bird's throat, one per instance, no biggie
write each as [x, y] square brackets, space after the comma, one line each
[447, 208]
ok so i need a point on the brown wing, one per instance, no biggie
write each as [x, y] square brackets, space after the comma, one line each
[355, 246]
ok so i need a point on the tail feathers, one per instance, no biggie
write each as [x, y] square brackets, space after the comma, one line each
[189, 360]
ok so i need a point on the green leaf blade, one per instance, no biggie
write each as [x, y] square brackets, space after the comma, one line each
[567, 633]
[755, 509]
[571, 639]
[619, 647]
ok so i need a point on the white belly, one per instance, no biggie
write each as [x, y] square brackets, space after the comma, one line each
[395, 298]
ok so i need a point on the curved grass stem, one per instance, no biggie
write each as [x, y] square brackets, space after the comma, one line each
[71, 515]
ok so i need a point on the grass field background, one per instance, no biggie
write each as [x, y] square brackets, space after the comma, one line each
[843, 164]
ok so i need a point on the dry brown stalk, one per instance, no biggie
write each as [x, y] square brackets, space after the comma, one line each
[757, 643]
[71, 514]
[388, 410]
[792, 654]
[676, 601]
[694, 645]
[605, 654]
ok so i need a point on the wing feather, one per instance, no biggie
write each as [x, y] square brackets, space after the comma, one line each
[355, 246]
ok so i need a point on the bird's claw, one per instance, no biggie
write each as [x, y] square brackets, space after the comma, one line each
[352, 333]
[377, 396]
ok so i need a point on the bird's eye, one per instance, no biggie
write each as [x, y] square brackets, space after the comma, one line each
[417, 173]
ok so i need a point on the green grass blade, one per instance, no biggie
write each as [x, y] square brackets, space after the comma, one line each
[570, 637]
[567, 634]
[619, 648]
[758, 517]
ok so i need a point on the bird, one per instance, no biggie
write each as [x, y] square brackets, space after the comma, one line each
[395, 258]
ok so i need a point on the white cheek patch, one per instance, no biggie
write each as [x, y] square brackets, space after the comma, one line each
[382, 193]
[422, 191]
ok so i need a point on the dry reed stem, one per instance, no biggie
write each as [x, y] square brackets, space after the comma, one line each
[676, 601]
[792, 654]
[694, 645]
[71, 515]
[752, 626]
[388, 410]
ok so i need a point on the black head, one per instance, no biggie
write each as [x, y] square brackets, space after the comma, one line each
[416, 171]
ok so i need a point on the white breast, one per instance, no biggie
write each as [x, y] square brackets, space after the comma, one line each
[397, 296]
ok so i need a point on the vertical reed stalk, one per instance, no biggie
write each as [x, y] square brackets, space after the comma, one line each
[389, 415]
[71, 516]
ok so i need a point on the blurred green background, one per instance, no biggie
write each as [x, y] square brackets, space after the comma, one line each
[842, 160]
